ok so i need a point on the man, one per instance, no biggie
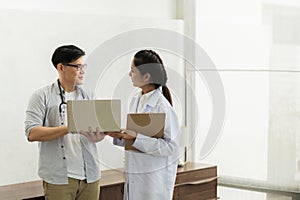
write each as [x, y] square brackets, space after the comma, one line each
[68, 162]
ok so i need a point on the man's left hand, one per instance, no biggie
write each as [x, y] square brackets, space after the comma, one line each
[93, 136]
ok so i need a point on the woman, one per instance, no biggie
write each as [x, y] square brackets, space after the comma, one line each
[151, 171]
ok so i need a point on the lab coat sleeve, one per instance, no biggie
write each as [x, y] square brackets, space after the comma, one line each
[163, 146]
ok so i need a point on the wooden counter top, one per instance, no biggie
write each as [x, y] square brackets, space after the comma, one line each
[34, 190]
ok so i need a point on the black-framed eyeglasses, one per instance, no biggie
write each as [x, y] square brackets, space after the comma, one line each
[78, 66]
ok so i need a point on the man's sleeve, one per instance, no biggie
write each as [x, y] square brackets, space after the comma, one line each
[35, 113]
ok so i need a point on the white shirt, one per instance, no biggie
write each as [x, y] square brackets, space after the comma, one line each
[74, 155]
[143, 99]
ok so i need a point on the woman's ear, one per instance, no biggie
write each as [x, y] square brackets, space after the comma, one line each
[147, 77]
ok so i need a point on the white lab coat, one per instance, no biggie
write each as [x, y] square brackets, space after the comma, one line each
[151, 175]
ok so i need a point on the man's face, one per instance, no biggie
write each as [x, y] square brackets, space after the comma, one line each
[72, 74]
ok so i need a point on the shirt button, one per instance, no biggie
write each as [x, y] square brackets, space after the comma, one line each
[64, 158]
[62, 146]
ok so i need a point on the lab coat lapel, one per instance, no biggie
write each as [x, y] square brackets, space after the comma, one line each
[134, 104]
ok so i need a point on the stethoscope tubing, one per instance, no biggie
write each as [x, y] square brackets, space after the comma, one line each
[61, 93]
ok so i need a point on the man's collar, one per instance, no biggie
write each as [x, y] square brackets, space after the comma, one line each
[56, 86]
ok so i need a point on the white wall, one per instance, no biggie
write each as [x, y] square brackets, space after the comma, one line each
[31, 32]
[165, 9]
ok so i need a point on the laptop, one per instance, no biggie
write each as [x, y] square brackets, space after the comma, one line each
[149, 124]
[105, 114]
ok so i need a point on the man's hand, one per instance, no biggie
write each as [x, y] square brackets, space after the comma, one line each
[92, 136]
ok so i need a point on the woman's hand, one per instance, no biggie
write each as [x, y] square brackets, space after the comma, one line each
[92, 136]
[117, 135]
[128, 134]
[124, 134]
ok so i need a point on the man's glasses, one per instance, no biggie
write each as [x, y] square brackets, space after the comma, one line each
[78, 66]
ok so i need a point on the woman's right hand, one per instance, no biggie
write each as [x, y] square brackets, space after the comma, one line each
[124, 134]
[114, 134]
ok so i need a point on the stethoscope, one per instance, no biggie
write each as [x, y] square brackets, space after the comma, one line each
[63, 104]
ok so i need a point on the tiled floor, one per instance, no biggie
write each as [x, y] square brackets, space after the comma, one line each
[226, 193]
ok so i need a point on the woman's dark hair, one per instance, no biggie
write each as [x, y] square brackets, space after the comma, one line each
[148, 61]
[66, 54]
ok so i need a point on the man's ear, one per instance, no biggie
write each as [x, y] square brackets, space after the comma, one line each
[147, 77]
[60, 67]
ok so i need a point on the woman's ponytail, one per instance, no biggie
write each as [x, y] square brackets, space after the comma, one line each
[167, 94]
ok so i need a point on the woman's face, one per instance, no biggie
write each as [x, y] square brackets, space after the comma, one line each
[138, 80]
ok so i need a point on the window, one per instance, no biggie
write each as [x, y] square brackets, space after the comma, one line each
[255, 47]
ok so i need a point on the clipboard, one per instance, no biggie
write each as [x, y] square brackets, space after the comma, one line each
[149, 124]
[105, 114]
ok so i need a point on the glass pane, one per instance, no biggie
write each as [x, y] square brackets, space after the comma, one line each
[261, 135]
[250, 34]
